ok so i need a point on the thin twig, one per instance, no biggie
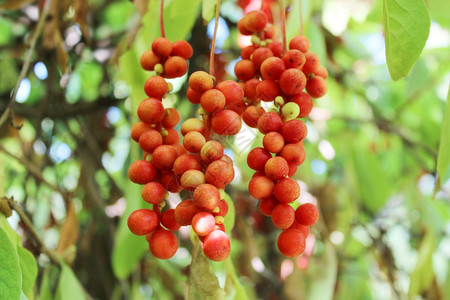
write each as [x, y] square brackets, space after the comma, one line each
[8, 113]
[161, 18]
[54, 257]
[213, 42]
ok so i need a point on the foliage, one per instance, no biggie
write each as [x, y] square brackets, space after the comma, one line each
[378, 158]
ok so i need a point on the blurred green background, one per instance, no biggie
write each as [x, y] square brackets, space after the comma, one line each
[372, 157]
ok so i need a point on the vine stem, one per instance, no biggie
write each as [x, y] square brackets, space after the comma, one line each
[213, 42]
[54, 257]
[161, 18]
[8, 113]
[301, 16]
[283, 24]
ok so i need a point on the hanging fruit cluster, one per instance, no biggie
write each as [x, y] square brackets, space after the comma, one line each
[198, 165]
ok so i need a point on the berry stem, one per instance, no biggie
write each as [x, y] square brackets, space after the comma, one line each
[262, 5]
[301, 16]
[161, 18]
[213, 42]
[283, 24]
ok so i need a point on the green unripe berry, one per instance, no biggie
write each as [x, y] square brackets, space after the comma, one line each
[159, 69]
[279, 101]
[290, 111]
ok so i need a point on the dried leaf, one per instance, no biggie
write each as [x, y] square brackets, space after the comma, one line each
[69, 230]
[81, 9]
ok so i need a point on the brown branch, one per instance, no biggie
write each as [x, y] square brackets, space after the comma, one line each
[8, 113]
[54, 257]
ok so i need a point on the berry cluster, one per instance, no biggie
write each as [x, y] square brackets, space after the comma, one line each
[271, 74]
[197, 165]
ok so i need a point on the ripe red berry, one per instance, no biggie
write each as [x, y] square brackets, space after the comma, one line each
[170, 136]
[139, 128]
[142, 221]
[250, 90]
[203, 223]
[191, 179]
[156, 87]
[294, 154]
[185, 211]
[294, 59]
[245, 70]
[251, 115]
[291, 242]
[226, 122]
[294, 131]
[276, 168]
[171, 118]
[193, 141]
[170, 182]
[175, 66]
[276, 47]
[283, 216]
[273, 142]
[219, 173]
[151, 111]
[186, 162]
[300, 43]
[233, 92]
[149, 140]
[141, 172]
[182, 48]
[163, 244]
[163, 157]
[269, 121]
[212, 100]
[312, 63]
[272, 68]
[316, 87]
[200, 81]
[206, 196]
[260, 55]
[287, 190]
[255, 21]
[266, 205]
[261, 187]
[162, 47]
[211, 151]
[192, 124]
[304, 101]
[168, 220]
[292, 81]
[247, 52]
[153, 192]
[216, 245]
[193, 96]
[149, 60]
[267, 90]
[257, 158]
[307, 214]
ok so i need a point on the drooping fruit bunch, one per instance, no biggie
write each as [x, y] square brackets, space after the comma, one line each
[197, 165]
[267, 73]
[275, 75]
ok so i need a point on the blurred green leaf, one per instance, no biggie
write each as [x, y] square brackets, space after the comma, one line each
[423, 274]
[202, 282]
[69, 288]
[233, 287]
[45, 292]
[230, 217]
[180, 16]
[29, 269]
[208, 10]
[128, 248]
[439, 11]
[443, 160]
[407, 25]
[10, 276]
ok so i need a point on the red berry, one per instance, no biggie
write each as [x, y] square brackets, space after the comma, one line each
[162, 47]
[185, 211]
[206, 196]
[300, 43]
[292, 81]
[245, 70]
[151, 111]
[294, 154]
[175, 66]
[276, 168]
[168, 220]
[251, 115]
[267, 205]
[149, 60]
[153, 192]
[283, 216]
[141, 172]
[182, 48]
[255, 21]
[163, 244]
[200, 81]
[219, 173]
[216, 245]
[193, 141]
[267, 90]
[287, 190]
[211, 151]
[294, 59]
[171, 118]
[272, 68]
[291, 242]
[316, 87]
[304, 101]
[226, 122]
[156, 87]
[261, 187]
[142, 221]
[163, 157]
[269, 121]
[203, 223]
[294, 131]
[257, 158]
[149, 140]
[273, 142]
[212, 100]
[312, 63]
[307, 214]
[186, 162]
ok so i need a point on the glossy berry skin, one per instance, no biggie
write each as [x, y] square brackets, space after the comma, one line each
[294, 154]
[216, 245]
[294, 131]
[316, 87]
[162, 47]
[283, 216]
[138, 129]
[287, 190]
[148, 60]
[255, 21]
[171, 118]
[267, 90]
[164, 157]
[142, 221]
[186, 162]
[259, 55]
[307, 214]
[233, 92]
[294, 59]
[193, 96]
[150, 140]
[266, 205]
[203, 223]
[206, 196]
[193, 141]
[300, 43]
[226, 122]
[291, 242]
[312, 63]
[305, 102]
[273, 142]
[153, 192]
[219, 173]
[251, 115]
[156, 87]
[211, 151]
[276, 168]
[170, 182]
[182, 48]
[191, 179]
[257, 158]
[261, 187]
[163, 244]
[212, 100]
[292, 81]
[200, 81]
[141, 172]
[185, 211]
[245, 69]
[269, 121]
[168, 220]
[151, 111]
[175, 66]
[272, 68]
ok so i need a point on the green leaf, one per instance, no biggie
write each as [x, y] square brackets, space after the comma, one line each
[423, 274]
[443, 160]
[407, 25]
[233, 287]
[29, 269]
[439, 11]
[180, 17]
[128, 248]
[208, 8]
[202, 282]
[45, 291]
[69, 288]
[229, 218]
[10, 276]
